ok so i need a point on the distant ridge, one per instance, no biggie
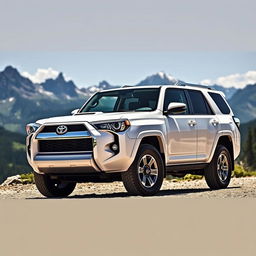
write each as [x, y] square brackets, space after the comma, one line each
[22, 101]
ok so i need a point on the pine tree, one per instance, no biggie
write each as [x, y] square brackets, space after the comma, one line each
[254, 148]
[249, 150]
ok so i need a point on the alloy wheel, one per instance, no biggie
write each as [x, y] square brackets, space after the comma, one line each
[148, 171]
[222, 167]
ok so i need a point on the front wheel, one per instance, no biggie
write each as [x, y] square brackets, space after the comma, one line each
[53, 188]
[218, 173]
[146, 174]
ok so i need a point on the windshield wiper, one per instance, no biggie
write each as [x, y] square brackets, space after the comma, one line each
[88, 113]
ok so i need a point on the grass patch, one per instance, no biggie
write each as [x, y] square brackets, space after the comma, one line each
[187, 177]
[240, 171]
[192, 177]
[27, 178]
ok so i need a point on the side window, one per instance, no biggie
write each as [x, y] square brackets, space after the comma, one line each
[175, 95]
[220, 102]
[199, 104]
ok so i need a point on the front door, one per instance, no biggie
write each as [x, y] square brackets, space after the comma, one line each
[181, 130]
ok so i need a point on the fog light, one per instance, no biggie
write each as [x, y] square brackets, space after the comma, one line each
[114, 147]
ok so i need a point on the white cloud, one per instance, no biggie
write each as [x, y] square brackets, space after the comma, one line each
[233, 80]
[41, 75]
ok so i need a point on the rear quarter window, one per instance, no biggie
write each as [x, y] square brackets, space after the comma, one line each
[199, 103]
[220, 102]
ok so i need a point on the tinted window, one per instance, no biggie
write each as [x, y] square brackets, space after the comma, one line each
[200, 106]
[222, 105]
[175, 95]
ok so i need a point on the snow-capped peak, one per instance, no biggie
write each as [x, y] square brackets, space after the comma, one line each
[159, 78]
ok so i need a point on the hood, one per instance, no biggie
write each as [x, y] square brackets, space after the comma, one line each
[98, 117]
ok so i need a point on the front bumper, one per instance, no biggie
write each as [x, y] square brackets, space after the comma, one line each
[100, 159]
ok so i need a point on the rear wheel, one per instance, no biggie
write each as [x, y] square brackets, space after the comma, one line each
[218, 173]
[145, 176]
[53, 188]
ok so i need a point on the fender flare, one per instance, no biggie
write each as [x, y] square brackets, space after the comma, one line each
[154, 133]
[218, 136]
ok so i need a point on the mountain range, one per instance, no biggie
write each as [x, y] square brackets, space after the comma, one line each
[12, 154]
[243, 103]
[22, 101]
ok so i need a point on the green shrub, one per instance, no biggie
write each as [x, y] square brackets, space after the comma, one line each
[192, 177]
[27, 178]
[240, 171]
[187, 177]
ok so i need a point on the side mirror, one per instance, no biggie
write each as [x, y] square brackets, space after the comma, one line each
[237, 121]
[175, 108]
[75, 111]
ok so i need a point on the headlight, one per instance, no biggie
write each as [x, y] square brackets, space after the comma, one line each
[31, 128]
[119, 126]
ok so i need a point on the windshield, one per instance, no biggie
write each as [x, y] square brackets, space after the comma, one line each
[123, 101]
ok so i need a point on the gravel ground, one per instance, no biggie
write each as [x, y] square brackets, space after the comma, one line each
[238, 188]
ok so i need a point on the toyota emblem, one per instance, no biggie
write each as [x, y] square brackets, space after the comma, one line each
[62, 129]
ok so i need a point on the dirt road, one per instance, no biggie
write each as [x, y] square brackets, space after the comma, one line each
[238, 188]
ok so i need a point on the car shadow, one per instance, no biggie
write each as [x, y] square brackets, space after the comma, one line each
[161, 193]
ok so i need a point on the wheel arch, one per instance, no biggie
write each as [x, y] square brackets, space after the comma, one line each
[226, 140]
[155, 139]
[156, 142]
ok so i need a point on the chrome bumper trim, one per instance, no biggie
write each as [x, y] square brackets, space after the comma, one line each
[64, 161]
[68, 135]
[71, 157]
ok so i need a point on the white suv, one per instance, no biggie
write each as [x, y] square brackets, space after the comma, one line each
[137, 135]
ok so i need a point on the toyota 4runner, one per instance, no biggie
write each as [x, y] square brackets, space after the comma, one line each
[137, 135]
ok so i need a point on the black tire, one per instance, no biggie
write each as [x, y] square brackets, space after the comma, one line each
[213, 179]
[132, 178]
[53, 188]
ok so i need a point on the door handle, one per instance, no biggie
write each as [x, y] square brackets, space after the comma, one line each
[191, 123]
[215, 122]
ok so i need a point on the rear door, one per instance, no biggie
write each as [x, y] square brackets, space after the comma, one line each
[181, 131]
[207, 124]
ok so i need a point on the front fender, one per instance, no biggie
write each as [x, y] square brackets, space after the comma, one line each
[154, 133]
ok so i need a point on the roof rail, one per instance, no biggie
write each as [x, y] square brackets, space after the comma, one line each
[196, 85]
[179, 83]
[126, 86]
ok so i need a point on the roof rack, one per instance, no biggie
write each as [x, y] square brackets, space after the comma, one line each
[195, 85]
[179, 83]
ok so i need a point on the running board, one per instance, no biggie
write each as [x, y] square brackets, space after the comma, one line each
[185, 168]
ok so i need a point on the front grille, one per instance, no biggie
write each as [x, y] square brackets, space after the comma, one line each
[68, 145]
[71, 128]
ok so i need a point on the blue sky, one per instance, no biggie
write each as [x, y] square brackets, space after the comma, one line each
[129, 67]
[124, 41]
